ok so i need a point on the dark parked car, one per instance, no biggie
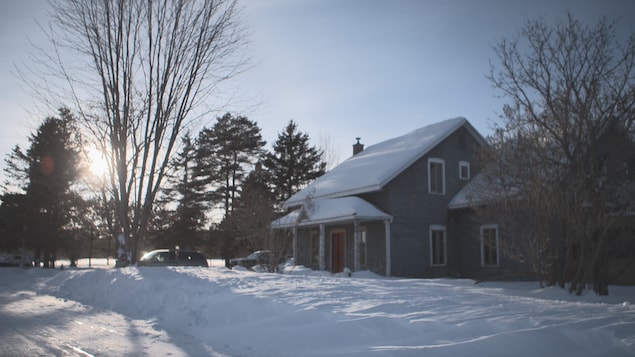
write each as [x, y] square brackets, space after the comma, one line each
[260, 257]
[14, 261]
[170, 257]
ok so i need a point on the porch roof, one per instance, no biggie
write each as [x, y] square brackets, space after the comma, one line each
[330, 210]
[482, 190]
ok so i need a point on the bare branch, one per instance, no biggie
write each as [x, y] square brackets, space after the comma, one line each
[137, 72]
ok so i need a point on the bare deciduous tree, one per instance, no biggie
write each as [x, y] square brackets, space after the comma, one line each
[141, 71]
[330, 156]
[572, 93]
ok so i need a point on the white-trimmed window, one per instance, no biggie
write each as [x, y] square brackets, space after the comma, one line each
[489, 245]
[464, 170]
[438, 251]
[436, 176]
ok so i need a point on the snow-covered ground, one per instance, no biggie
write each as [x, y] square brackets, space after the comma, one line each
[220, 312]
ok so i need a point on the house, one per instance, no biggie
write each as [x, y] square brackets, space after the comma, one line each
[397, 208]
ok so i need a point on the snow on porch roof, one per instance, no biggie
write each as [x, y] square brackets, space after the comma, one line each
[481, 191]
[375, 166]
[331, 210]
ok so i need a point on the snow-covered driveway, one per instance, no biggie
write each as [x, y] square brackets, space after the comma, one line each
[220, 312]
[38, 324]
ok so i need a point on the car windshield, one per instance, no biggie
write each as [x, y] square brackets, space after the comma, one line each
[155, 256]
[258, 255]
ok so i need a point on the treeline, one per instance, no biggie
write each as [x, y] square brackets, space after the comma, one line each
[221, 190]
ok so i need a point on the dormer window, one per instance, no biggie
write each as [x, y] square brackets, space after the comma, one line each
[464, 170]
[436, 176]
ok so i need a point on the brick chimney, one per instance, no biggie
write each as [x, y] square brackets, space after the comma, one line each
[357, 147]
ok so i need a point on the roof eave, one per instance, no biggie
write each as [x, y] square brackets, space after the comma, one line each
[333, 220]
[366, 189]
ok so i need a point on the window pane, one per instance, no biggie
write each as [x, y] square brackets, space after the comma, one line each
[464, 171]
[490, 248]
[436, 177]
[438, 247]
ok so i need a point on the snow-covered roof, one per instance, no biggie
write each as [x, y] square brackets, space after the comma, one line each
[481, 190]
[331, 210]
[466, 197]
[374, 167]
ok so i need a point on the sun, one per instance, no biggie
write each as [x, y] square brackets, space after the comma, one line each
[97, 163]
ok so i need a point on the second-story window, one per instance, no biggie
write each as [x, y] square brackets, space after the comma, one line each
[464, 170]
[436, 176]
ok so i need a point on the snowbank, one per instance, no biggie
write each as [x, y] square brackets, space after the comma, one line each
[221, 312]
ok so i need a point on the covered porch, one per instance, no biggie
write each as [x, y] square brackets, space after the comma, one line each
[321, 229]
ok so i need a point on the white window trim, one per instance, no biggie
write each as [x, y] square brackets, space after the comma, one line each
[436, 161]
[484, 227]
[461, 165]
[433, 228]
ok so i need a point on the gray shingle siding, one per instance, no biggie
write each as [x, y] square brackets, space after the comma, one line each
[415, 209]
[468, 232]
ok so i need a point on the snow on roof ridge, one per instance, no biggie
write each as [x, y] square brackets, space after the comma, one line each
[375, 166]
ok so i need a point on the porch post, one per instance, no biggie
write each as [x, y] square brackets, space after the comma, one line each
[388, 255]
[356, 245]
[322, 248]
[295, 245]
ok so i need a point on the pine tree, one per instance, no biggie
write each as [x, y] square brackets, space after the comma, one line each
[51, 165]
[226, 153]
[253, 213]
[188, 218]
[293, 163]
[12, 221]
[13, 209]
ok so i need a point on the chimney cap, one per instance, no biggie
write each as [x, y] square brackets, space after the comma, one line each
[358, 147]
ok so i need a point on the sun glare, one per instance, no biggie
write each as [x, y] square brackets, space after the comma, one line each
[97, 163]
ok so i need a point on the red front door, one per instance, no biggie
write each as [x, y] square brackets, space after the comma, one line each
[338, 251]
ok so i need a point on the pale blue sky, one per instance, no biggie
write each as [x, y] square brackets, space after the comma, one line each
[342, 69]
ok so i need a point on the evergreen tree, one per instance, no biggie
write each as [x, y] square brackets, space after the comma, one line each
[188, 218]
[226, 152]
[13, 209]
[16, 171]
[253, 213]
[51, 165]
[12, 221]
[293, 163]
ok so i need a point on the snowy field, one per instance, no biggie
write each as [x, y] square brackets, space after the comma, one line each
[220, 312]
